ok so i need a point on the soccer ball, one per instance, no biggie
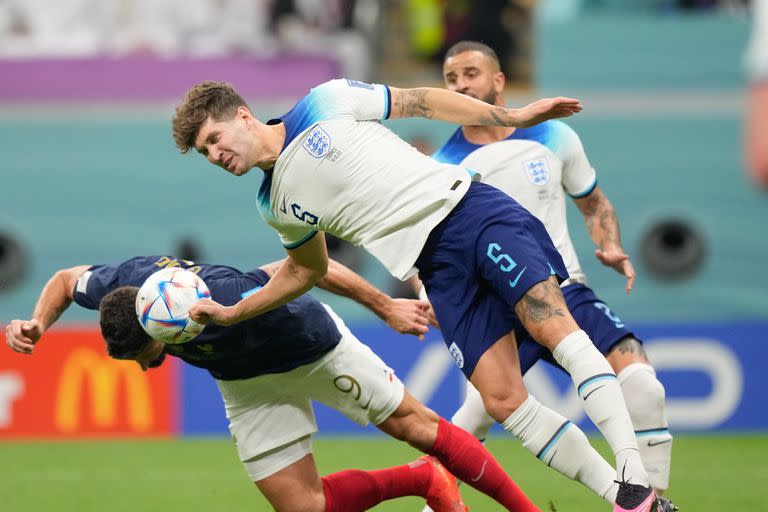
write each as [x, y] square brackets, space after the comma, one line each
[163, 303]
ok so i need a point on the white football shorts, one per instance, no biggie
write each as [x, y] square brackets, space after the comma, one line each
[271, 416]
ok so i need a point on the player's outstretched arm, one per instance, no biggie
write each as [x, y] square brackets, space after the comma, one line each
[54, 299]
[603, 226]
[404, 316]
[300, 271]
[453, 107]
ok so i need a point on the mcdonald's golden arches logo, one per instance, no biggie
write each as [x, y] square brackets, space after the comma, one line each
[103, 376]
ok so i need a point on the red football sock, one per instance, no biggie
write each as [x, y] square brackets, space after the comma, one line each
[470, 462]
[356, 490]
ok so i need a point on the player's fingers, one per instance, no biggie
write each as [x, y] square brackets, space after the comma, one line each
[629, 271]
[433, 319]
[200, 313]
[15, 332]
[17, 344]
[22, 348]
[566, 99]
[422, 316]
[600, 255]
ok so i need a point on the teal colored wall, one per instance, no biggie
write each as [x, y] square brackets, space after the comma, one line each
[640, 51]
[95, 185]
[94, 191]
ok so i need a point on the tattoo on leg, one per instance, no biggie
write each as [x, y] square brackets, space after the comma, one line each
[541, 302]
[630, 345]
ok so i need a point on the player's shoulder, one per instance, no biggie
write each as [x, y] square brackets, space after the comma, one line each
[554, 134]
[455, 149]
[339, 86]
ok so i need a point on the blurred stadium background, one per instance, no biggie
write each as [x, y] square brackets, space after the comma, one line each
[89, 174]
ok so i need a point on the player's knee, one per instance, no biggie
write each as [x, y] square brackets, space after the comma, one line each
[416, 426]
[501, 407]
[472, 416]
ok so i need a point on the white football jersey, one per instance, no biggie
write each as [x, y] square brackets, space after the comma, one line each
[537, 167]
[342, 172]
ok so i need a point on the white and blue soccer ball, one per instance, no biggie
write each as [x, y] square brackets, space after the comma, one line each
[163, 303]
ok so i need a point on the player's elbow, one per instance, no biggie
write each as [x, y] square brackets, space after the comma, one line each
[319, 271]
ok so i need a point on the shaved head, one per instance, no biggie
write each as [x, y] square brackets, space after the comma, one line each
[474, 46]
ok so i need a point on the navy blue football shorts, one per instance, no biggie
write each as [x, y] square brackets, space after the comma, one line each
[478, 263]
[593, 316]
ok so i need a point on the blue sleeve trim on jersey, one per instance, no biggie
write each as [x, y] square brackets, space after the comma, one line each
[250, 292]
[387, 102]
[307, 238]
[586, 192]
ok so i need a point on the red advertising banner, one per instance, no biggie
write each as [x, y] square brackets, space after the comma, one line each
[69, 387]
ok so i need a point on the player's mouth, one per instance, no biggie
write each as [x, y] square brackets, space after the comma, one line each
[228, 163]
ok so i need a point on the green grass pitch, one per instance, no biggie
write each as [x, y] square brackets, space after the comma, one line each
[709, 474]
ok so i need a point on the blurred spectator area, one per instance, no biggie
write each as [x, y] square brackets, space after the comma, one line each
[104, 49]
[589, 36]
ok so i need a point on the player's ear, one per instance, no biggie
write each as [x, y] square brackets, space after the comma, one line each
[244, 113]
[499, 80]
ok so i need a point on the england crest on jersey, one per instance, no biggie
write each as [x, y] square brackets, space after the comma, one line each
[318, 142]
[537, 171]
[456, 354]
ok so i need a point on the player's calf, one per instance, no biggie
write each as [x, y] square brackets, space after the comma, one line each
[645, 395]
[413, 423]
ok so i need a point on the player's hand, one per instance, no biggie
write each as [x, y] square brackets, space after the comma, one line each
[544, 109]
[408, 316]
[21, 335]
[206, 311]
[616, 258]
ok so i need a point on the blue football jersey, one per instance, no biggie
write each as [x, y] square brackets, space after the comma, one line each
[278, 341]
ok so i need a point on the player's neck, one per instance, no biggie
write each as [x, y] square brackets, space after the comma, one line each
[486, 134]
[274, 137]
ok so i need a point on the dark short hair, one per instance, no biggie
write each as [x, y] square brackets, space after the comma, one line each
[472, 46]
[119, 324]
[217, 100]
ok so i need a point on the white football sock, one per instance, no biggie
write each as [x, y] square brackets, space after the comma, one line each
[599, 390]
[644, 395]
[472, 416]
[562, 445]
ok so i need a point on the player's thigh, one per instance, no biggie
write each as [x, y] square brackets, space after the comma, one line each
[356, 382]
[498, 378]
[518, 260]
[295, 488]
[268, 412]
[544, 314]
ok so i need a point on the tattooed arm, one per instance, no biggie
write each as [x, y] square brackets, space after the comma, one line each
[453, 107]
[603, 227]
[403, 315]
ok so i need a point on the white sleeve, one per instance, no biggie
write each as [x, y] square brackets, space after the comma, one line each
[579, 178]
[353, 99]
